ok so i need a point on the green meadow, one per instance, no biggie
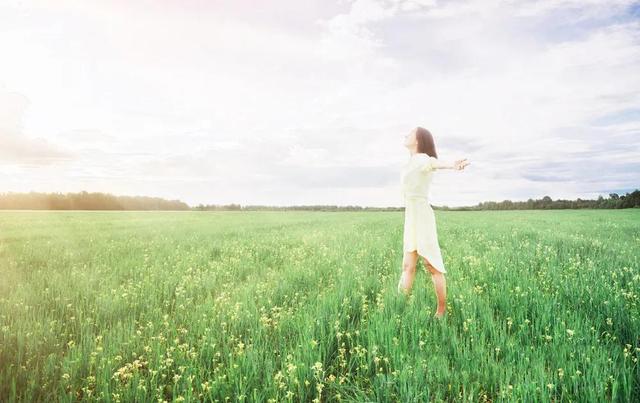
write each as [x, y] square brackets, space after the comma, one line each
[302, 306]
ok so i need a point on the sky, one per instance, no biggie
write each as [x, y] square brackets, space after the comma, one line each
[292, 102]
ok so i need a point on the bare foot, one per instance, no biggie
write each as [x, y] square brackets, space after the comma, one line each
[438, 315]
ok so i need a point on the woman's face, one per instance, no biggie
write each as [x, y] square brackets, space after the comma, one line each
[410, 139]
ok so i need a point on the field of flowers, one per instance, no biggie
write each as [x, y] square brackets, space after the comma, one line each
[302, 306]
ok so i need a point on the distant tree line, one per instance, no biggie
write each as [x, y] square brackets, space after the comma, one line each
[105, 201]
[319, 207]
[85, 201]
[614, 201]
[217, 207]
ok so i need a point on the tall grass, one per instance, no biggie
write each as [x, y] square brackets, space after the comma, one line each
[302, 306]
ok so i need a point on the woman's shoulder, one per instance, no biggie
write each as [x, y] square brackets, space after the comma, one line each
[426, 162]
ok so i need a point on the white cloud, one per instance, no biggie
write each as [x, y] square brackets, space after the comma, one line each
[233, 103]
[15, 147]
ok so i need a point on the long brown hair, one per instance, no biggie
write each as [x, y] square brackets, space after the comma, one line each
[425, 142]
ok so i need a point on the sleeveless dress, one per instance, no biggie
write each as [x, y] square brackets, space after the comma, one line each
[419, 219]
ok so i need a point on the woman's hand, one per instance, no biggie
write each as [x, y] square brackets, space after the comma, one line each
[460, 164]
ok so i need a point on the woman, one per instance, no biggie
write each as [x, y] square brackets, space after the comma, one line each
[420, 235]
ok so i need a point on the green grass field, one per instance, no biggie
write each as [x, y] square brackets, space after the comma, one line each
[302, 306]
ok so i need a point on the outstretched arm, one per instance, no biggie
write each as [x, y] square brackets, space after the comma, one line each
[457, 165]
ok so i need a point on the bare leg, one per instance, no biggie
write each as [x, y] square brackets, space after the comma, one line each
[440, 285]
[408, 272]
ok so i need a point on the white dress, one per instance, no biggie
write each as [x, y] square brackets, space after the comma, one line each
[419, 220]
